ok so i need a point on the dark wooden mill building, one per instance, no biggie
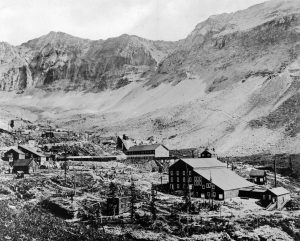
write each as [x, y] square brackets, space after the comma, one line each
[206, 178]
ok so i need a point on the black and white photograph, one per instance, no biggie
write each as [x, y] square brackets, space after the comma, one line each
[150, 120]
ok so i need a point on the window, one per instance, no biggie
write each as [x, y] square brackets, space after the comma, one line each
[183, 173]
[183, 179]
[177, 173]
[171, 179]
[178, 186]
[203, 186]
[171, 173]
[172, 187]
[177, 179]
[212, 186]
[214, 194]
[190, 172]
[208, 185]
[190, 179]
[221, 196]
[208, 194]
[202, 195]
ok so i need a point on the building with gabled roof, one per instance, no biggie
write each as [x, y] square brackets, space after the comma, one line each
[152, 151]
[206, 178]
[258, 176]
[277, 196]
[39, 157]
[13, 154]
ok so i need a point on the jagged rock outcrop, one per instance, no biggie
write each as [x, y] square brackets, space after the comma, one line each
[80, 63]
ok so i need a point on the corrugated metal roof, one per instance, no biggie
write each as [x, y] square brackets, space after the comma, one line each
[224, 178]
[257, 173]
[22, 162]
[32, 151]
[203, 162]
[145, 147]
[278, 191]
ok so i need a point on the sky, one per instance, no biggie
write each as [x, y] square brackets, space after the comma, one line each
[22, 20]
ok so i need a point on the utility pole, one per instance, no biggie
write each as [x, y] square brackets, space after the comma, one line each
[275, 173]
[188, 193]
[211, 197]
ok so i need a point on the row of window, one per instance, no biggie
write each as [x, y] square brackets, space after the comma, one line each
[178, 172]
[208, 185]
[213, 194]
[178, 180]
[197, 182]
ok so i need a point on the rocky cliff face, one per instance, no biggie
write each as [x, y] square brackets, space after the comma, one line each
[79, 64]
[227, 48]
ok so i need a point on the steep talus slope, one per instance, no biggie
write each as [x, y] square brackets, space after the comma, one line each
[232, 83]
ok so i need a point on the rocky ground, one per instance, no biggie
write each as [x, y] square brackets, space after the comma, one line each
[44, 198]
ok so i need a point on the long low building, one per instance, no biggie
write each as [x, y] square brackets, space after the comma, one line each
[152, 151]
[206, 178]
[92, 158]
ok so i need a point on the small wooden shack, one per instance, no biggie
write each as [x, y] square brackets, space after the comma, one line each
[279, 196]
[25, 165]
[205, 154]
[258, 176]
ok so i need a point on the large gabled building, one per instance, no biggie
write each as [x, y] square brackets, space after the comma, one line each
[206, 178]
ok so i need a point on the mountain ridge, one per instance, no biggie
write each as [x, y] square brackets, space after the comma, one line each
[233, 82]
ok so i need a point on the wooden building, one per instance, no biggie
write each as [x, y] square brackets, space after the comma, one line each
[13, 154]
[118, 205]
[205, 154]
[206, 178]
[277, 196]
[148, 152]
[30, 153]
[25, 165]
[92, 158]
[258, 176]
